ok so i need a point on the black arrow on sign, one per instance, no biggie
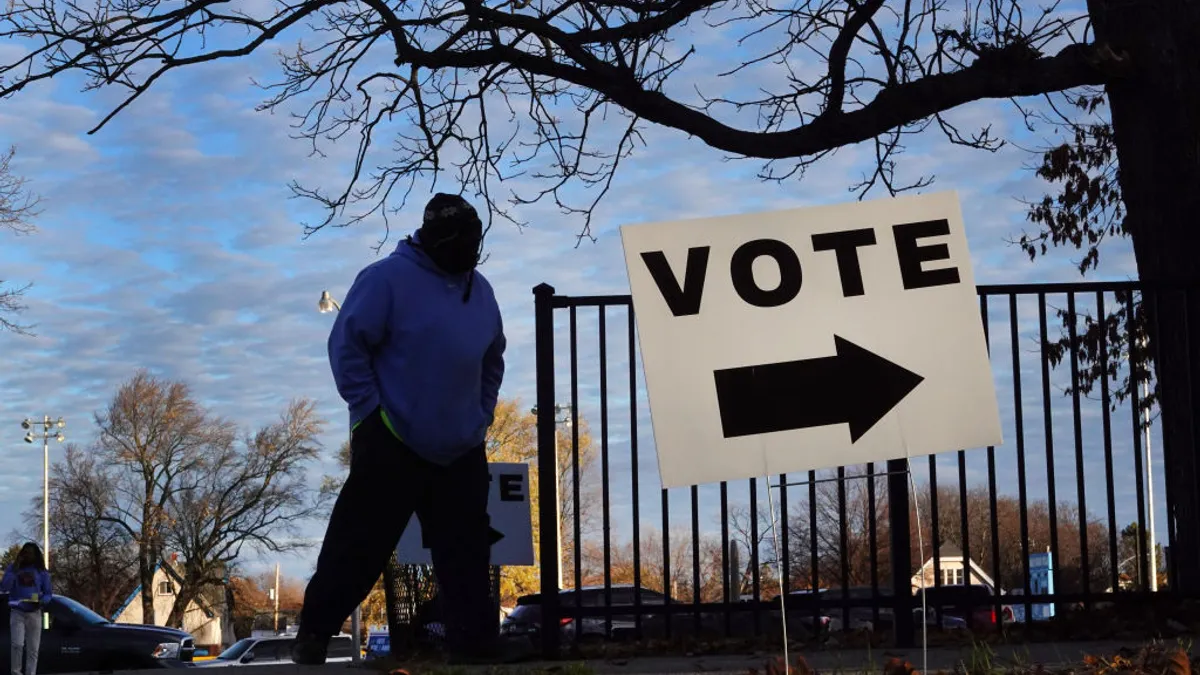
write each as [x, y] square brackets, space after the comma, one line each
[855, 387]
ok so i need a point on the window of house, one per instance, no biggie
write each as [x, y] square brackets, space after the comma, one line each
[952, 576]
[166, 588]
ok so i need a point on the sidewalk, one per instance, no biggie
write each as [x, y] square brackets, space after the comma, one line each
[851, 661]
[831, 662]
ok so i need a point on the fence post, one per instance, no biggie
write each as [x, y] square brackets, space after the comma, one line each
[901, 545]
[543, 311]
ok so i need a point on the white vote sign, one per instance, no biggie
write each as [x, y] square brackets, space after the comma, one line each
[508, 506]
[811, 338]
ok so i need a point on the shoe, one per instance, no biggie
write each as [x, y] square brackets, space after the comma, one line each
[309, 650]
[504, 651]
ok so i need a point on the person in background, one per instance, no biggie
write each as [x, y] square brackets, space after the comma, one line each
[417, 352]
[28, 586]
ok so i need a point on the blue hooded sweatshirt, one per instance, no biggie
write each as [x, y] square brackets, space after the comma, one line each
[426, 346]
[28, 588]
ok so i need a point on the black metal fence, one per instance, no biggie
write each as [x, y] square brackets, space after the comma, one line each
[1077, 399]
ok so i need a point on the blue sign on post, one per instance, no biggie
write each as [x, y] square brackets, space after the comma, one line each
[1041, 582]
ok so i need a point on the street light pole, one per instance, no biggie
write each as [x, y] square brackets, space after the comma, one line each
[47, 424]
[565, 411]
[1152, 543]
[276, 598]
[1150, 494]
[326, 305]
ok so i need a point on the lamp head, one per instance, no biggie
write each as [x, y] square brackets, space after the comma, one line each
[26, 423]
[326, 304]
[61, 423]
[29, 437]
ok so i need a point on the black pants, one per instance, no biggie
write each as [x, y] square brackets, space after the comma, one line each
[387, 484]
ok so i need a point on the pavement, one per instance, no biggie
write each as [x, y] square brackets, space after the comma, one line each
[992, 658]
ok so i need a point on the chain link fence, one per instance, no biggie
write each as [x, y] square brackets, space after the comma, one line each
[414, 613]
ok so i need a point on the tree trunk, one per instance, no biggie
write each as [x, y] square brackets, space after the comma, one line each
[183, 597]
[1156, 123]
[146, 577]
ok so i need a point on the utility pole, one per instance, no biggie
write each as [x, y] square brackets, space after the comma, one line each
[1150, 495]
[47, 424]
[563, 414]
[276, 598]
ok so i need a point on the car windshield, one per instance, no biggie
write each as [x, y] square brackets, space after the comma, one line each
[80, 613]
[236, 651]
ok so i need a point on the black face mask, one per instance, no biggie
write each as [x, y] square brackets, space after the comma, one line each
[454, 253]
[457, 256]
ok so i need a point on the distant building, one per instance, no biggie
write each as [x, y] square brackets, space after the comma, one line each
[201, 620]
[1041, 582]
[953, 570]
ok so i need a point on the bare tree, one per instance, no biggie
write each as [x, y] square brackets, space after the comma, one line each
[673, 575]
[153, 437]
[865, 507]
[666, 575]
[244, 497]
[165, 476]
[755, 542]
[94, 558]
[1077, 557]
[850, 496]
[17, 208]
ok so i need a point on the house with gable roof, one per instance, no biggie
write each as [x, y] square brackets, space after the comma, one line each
[200, 619]
[953, 568]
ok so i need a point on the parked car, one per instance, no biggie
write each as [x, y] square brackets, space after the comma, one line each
[946, 623]
[811, 613]
[526, 617]
[78, 640]
[973, 605]
[275, 650]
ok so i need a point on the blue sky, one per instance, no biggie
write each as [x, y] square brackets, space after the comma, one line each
[169, 241]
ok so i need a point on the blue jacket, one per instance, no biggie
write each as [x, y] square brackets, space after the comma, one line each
[425, 346]
[28, 588]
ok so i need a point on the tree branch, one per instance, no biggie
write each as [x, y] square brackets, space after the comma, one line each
[840, 51]
[1074, 66]
[558, 67]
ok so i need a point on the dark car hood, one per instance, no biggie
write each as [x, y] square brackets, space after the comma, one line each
[159, 633]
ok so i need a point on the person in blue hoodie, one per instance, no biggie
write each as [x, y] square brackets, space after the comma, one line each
[417, 352]
[27, 584]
